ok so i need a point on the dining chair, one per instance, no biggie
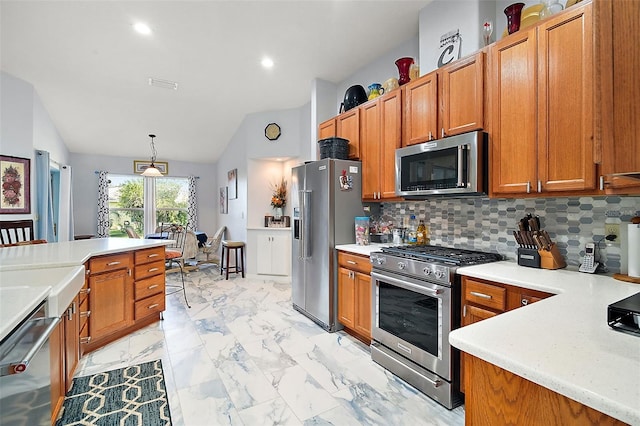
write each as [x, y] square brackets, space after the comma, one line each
[212, 247]
[15, 231]
[174, 255]
[24, 243]
[131, 232]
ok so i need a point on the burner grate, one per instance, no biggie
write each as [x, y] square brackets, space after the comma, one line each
[455, 256]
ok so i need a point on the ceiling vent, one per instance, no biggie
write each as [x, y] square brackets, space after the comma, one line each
[165, 84]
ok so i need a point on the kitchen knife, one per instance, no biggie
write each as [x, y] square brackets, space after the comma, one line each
[533, 224]
[547, 240]
[539, 244]
[517, 237]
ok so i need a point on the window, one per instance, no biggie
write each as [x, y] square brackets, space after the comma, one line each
[134, 199]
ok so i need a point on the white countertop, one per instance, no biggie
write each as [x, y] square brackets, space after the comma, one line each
[363, 250]
[563, 342]
[23, 300]
[70, 253]
[266, 228]
[54, 271]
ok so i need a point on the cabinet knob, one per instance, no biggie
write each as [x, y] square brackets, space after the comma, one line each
[524, 302]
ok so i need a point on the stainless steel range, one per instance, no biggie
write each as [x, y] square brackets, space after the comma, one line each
[416, 303]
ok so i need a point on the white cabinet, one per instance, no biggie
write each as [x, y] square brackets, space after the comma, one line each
[273, 253]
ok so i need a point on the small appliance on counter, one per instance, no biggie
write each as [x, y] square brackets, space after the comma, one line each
[624, 315]
[272, 222]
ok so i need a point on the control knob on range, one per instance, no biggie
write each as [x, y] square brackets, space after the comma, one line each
[440, 274]
[426, 271]
[402, 265]
[380, 260]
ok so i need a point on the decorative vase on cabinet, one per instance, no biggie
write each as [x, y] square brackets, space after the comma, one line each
[404, 65]
[513, 12]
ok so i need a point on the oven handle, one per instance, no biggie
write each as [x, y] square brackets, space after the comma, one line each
[408, 285]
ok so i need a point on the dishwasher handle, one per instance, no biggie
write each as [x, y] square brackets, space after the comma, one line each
[40, 337]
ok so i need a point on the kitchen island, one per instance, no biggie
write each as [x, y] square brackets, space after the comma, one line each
[562, 343]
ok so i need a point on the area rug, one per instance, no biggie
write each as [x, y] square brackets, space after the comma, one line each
[128, 396]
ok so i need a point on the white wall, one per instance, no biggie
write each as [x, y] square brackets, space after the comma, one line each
[26, 126]
[85, 185]
[379, 70]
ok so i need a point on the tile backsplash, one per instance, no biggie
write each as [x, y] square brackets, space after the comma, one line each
[487, 224]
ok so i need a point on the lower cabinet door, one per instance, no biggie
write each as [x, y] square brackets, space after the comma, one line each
[346, 297]
[111, 303]
[362, 320]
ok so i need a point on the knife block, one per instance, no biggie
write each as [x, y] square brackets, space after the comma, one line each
[551, 259]
[528, 257]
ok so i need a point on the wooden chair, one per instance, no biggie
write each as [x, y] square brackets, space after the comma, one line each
[131, 232]
[16, 231]
[174, 255]
[24, 243]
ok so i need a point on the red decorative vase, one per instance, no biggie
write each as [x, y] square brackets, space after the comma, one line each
[404, 64]
[513, 16]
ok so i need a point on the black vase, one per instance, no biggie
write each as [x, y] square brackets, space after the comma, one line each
[354, 96]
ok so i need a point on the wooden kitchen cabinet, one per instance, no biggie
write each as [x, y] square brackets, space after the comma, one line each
[380, 136]
[348, 127]
[65, 354]
[482, 299]
[420, 112]
[445, 102]
[617, 28]
[354, 294]
[111, 301]
[461, 95]
[149, 285]
[542, 108]
[327, 129]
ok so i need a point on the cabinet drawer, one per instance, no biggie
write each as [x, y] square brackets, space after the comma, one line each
[149, 306]
[150, 286]
[485, 294]
[109, 263]
[149, 269]
[354, 262]
[149, 255]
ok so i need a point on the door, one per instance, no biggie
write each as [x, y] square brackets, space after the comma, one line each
[348, 127]
[297, 261]
[370, 151]
[111, 303]
[420, 114]
[280, 254]
[514, 148]
[318, 262]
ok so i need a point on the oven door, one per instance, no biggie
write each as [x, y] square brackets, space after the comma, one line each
[413, 318]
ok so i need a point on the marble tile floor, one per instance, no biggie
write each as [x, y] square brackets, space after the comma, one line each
[243, 356]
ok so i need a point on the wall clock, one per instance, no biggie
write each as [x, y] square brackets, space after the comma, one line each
[272, 131]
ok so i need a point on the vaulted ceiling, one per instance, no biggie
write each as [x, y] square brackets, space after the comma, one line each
[91, 69]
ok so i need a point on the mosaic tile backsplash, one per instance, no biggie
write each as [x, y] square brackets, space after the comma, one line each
[488, 224]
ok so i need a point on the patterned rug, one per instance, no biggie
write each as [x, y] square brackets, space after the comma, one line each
[128, 396]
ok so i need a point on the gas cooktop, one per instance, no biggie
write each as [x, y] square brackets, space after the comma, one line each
[454, 256]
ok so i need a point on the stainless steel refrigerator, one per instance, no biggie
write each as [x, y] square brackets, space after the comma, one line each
[326, 197]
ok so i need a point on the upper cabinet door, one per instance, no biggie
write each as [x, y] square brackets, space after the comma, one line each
[420, 115]
[391, 136]
[513, 141]
[565, 102]
[461, 96]
[327, 129]
[349, 128]
[617, 25]
[370, 152]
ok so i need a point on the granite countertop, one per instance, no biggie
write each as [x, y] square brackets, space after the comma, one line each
[563, 342]
[52, 272]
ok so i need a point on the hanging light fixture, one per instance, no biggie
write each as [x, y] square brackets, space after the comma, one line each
[152, 171]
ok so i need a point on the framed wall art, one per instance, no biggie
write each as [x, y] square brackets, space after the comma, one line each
[16, 185]
[232, 183]
[140, 166]
[224, 206]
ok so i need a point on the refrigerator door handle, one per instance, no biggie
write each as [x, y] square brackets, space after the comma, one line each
[305, 223]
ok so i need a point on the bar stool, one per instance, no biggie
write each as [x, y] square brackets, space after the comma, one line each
[226, 247]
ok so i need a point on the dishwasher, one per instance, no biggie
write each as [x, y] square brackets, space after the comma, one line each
[25, 371]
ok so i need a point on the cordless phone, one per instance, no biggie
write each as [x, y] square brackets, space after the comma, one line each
[589, 265]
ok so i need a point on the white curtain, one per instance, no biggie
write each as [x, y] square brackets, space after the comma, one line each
[149, 203]
[103, 204]
[192, 208]
[44, 203]
[65, 215]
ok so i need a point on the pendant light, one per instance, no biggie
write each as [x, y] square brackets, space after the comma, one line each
[152, 171]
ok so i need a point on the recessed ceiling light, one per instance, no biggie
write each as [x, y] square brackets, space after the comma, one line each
[142, 28]
[267, 63]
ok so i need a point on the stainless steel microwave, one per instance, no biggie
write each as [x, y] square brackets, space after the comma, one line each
[456, 165]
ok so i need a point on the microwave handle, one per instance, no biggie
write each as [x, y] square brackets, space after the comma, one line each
[461, 159]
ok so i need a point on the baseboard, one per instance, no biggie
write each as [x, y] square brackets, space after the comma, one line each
[276, 278]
